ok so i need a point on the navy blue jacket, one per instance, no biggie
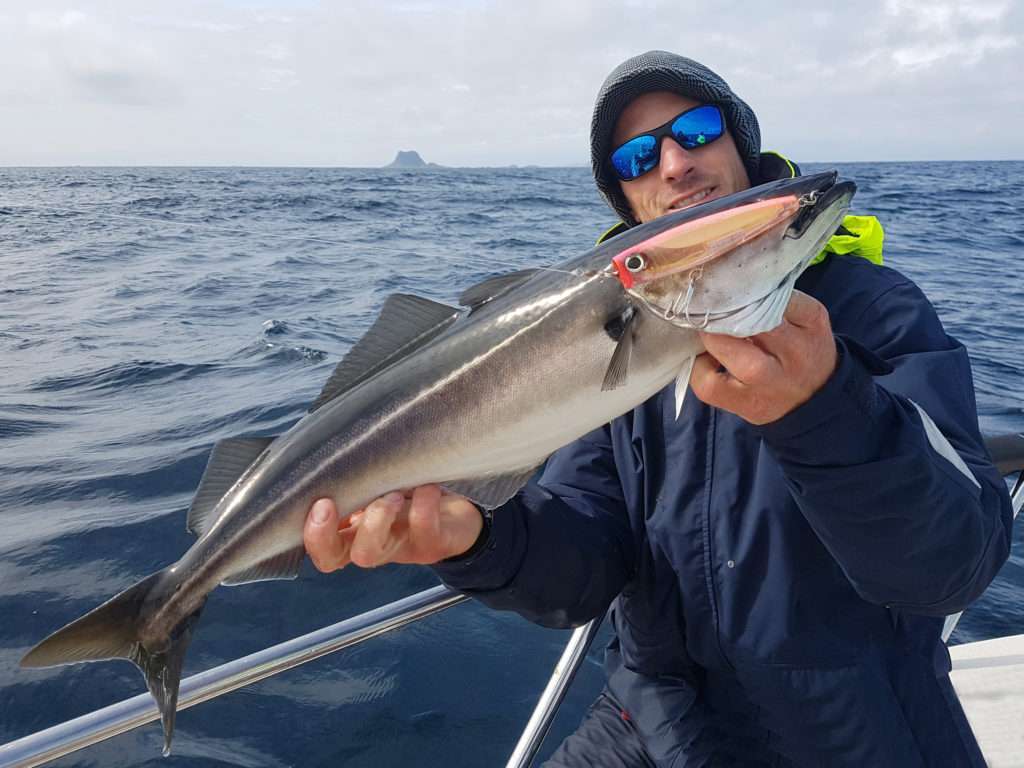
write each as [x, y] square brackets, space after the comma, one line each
[778, 590]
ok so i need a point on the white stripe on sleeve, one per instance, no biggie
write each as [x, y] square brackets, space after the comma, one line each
[941, 445]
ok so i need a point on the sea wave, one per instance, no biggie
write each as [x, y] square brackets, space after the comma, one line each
[150, 312]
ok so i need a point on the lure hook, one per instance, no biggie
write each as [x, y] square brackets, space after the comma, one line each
[682, 302]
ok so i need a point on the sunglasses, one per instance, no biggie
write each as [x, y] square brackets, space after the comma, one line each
[693, 128]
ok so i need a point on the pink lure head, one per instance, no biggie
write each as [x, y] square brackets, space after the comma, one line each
[701, 240]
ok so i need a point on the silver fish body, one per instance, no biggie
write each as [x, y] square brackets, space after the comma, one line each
[475, 400]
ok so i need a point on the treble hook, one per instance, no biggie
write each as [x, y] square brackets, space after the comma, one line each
[704, 322]
[682, 302]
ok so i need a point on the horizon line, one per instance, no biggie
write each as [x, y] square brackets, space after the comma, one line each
[437, 166]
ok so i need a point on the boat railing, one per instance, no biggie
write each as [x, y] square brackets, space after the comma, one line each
[80, 732]
[1007, 452]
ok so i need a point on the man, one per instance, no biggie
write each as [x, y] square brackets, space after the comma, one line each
[781, 556]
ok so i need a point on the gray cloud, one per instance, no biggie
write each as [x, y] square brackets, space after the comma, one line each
[124, 87]
[475, 82]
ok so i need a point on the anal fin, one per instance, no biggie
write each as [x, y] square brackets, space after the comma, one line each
[284, 565]
[493, 491]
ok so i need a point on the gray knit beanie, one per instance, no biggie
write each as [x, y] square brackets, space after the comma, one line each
[663, 71]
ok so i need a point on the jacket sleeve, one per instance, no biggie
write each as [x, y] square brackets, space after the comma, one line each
[887, 464]
[561, 549]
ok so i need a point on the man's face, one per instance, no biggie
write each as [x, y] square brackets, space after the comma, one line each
[683, 177]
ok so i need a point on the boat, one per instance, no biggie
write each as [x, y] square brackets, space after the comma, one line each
[988, 675]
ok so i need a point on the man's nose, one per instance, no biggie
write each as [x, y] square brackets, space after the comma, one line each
[676, 162]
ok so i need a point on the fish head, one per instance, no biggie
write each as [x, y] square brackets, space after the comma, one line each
[721, 257]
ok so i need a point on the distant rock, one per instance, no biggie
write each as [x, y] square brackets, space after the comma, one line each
[410, 159]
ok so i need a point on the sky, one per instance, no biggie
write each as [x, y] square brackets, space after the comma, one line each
[479, 83]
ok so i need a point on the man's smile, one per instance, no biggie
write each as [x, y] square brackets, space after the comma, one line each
[687, 201]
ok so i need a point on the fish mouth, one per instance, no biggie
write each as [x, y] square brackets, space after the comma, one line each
[731, 257]
[820, 201]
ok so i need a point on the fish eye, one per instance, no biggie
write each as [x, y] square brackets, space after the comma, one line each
[636, 262]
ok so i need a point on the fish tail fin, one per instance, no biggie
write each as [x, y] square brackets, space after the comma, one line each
[162, 671]
[112, 631]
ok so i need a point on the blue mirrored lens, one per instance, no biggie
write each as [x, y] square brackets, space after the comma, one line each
[636, 157]
[698, 127]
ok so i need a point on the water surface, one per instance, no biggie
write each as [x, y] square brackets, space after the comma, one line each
[146, 313]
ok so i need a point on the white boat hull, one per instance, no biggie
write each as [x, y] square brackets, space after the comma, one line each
[989, 678]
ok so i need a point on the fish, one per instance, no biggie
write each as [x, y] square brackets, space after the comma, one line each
[474, 398]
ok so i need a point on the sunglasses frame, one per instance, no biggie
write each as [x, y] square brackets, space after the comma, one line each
[660, 133]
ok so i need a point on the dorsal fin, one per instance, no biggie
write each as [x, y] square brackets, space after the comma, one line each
[406, 323]
[228, 461]
[479, 294]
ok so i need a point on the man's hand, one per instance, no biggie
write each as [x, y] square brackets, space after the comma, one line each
[763, 378]
[421, 526]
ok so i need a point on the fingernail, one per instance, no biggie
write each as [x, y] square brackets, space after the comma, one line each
[321, 514]
[394, 498]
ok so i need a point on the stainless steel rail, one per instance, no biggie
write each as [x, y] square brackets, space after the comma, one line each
[94, 727]
[561, 678]
[70, 736]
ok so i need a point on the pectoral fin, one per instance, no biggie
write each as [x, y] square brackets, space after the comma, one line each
[620, 328]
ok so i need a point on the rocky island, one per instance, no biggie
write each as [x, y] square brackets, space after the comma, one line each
[410, 159]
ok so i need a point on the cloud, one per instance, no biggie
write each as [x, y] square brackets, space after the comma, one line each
[55, 20]
[276, 52]
[964, 52]
[945, 17]
[963, 33]
[85, 58]
[186, 24]
[471, 82]
[277, 78]
[112, 86]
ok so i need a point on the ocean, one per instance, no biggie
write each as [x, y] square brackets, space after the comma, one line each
[146, 313]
